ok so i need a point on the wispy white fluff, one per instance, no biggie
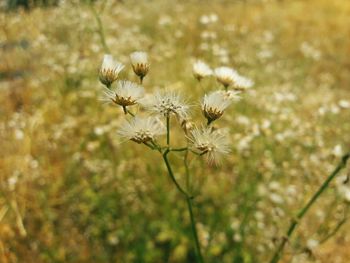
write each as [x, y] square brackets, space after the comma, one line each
[212, 144]
[201, 70]
[125, 93]
[142, 129]
[166, 103]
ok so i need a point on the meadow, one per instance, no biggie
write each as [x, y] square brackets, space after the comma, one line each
[72, 191]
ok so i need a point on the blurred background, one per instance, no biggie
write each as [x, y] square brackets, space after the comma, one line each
[70, 191]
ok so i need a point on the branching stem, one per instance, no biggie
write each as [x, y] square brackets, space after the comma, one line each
[295, 221]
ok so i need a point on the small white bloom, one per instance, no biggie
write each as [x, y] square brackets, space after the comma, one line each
[211, 143]
[230, 77]
[312, 244]
[201, 70]
[140, 64]
[214, 105]
[225, 75]
[242, 83]
[142, 130]
[109, 70]
[126, 93]
[166, 103]
[337, 151]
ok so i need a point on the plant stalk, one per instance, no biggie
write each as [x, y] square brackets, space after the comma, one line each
[189, 205]
[279, 251]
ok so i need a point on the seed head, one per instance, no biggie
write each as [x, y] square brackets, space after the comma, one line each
[242, 83]
[214, 105]
[225, 75]
[201, 70]
[142, 129]
[212, 143]
[126, 93]
[166, 103]
[109, 70]
[140, 64]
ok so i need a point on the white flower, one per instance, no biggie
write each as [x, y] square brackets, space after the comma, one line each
[214, 105]
[142, 130]
[126, 93]
[230, 77]
[166, 103]
[109, 70]
[201, 70]
[211, 143]
[242, 83]
[140, 64]
[225, 75]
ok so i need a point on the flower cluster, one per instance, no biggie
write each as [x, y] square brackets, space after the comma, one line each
[164, 104]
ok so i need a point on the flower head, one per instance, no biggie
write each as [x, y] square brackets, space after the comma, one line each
[109, 70]
[201, 70]
[140, 64]
[166, 103]
[214, 105]
[141, 129]
[242, 83]
[225, 75]
[126, 93]
[212, 143]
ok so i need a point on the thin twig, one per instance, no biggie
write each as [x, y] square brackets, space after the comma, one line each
[189, 204]
[100, 28]
[295, 221]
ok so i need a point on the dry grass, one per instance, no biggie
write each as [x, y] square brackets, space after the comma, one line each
[70, 192]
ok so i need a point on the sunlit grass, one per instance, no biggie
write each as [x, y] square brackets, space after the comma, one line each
[71, 192]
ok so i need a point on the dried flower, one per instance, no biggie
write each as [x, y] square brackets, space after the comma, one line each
[140, 64]
[229, 77]
[110, 70]
[242, 83]
[126, 93]
[225, 75]
[214, 105]
[201, 70]
[212, 143]
[142, 130]
[166, 103]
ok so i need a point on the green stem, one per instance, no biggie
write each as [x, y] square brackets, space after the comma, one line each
[336, 229]
[171, 174]
[125, 110]
[279, 251]
[100, 28]
[132, 114]
[194, 230]
[168, 130]
[189, 204]
[178, 149]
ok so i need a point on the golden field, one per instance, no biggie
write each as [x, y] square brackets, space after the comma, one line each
[72, 191]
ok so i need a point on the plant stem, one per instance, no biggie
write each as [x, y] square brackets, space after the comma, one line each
[178, 149]
[194, 230]
[168, 130]
[279, 251]
[100, 28]
[189, 204]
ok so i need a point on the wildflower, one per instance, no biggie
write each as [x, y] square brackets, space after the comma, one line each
[110, 70]
[142, 130]
[225, 75]
[214, 105]
[166, 103]
[211, 143]
[140, 65]
[201, 70]
[126, 93]
[242, 83]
